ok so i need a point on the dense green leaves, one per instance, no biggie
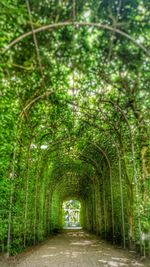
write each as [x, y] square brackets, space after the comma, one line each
[74, 117]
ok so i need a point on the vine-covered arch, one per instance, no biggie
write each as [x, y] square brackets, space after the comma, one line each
[75, 121]
[77, 24]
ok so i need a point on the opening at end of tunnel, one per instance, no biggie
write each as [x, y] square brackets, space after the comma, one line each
[72, 214]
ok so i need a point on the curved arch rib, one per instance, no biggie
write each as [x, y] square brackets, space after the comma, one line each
[77, 24]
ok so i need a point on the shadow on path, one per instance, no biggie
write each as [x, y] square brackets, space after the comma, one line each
[74, 248]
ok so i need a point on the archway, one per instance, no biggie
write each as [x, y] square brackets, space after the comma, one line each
[79, 92]
[71, 214]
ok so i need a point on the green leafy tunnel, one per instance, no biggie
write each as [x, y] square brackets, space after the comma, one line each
[74, 116]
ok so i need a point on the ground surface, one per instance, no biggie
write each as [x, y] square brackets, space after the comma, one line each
[74, 249]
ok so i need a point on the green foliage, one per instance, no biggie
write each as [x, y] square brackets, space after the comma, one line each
[73, 105]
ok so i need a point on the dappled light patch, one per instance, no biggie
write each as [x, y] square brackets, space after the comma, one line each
[66, 254]
[84, 243]
[135, 263]
[50, 255]
[113, 263]
[122, 260]
[77, 234]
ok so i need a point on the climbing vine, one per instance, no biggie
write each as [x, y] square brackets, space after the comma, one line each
[74, 117]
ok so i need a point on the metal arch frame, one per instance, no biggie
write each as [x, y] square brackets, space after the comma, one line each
[52, 146]
[121, 193]
[111, 191]
[49, 142]
[94, 164]
[131, 139]
[77, 24]
[126, 119]
[135, 180]
[111, 175]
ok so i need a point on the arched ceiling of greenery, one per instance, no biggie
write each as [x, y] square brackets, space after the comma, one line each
[75, 93]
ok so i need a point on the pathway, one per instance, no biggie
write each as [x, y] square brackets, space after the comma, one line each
[77, 249]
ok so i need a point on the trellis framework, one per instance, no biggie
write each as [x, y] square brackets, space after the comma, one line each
[95, 181]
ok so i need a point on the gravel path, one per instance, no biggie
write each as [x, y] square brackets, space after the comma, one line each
[77, 248]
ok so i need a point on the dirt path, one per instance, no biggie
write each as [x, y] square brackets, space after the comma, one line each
[78, 248]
